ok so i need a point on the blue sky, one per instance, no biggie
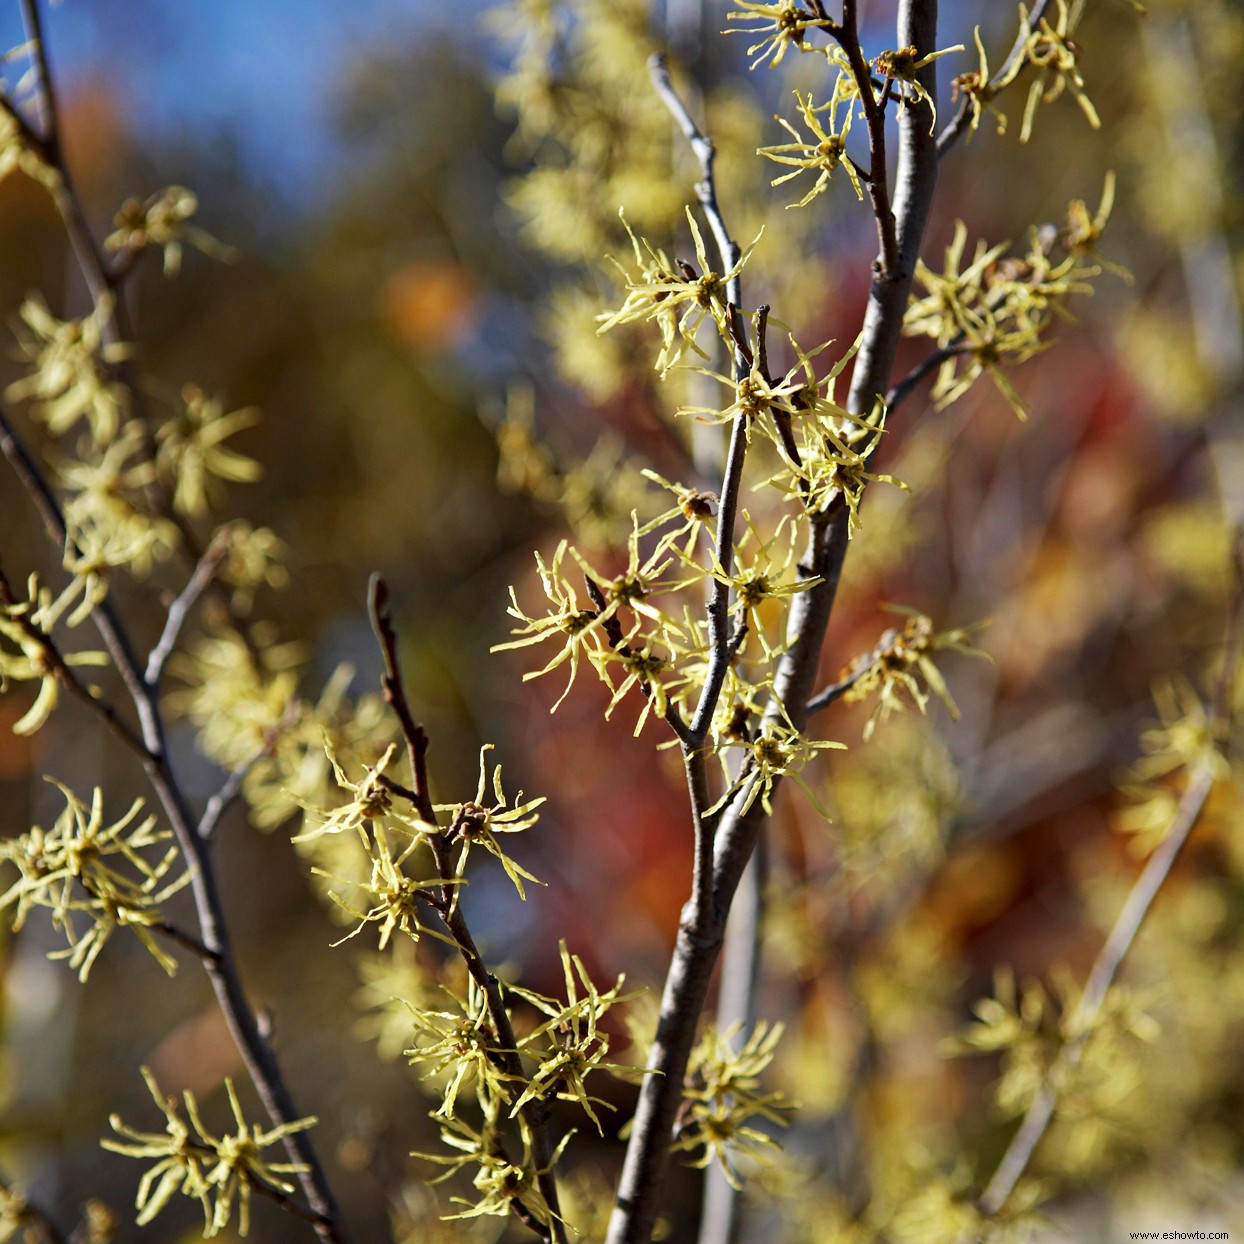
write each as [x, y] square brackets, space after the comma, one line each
[260, 70]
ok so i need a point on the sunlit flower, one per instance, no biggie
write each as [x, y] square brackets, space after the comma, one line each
[478, 822]
[784, 25]
[1054, 55]
[679, 299]
[216, 1171]
[903, 65]
[824, 153]
[85, 869]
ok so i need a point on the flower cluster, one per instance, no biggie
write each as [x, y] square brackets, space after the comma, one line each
[1182, 741]
[678, 297]
[72, 372]
[164, 220]
[104, 873]
[192, 453]
[826, 150]
[782, 26]
[463, 1049]
[722, 1099]
[901, 666]
[1054, 55]
[217, 1171]
[1046, 1040]
[993, 311]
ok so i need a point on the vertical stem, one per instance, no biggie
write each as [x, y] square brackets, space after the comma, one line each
[701, 932]
[736, 1004]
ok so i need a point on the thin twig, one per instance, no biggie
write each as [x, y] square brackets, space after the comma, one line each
[835, 691]
[1127, 925]
[413, 733]
[182, 607]
[848, 38]
[954, 129]
[727, 510]
[32, 479]
[706, 188]
[191, 943]
[535, 1113]
[218, 804]
[904, 388]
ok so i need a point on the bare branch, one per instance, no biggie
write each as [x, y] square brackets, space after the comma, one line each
[835, 691]
[187, 940]
[219, 803]
[954, 130]
[181, 608]
[415, 735]
[1128, 923]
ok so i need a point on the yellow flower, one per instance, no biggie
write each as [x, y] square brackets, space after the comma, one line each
[72, 371]
[1054, 54]
[82, 868]
[825, 152]
[679, 301]
[163, 220]
[216, 1171]
[783, 25]
[477, 822]
[902, 65]
[30, 656]
[192, 453]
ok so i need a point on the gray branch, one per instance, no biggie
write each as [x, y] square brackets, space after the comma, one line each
[701, 929]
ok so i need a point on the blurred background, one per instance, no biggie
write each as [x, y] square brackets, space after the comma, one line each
[418, 269]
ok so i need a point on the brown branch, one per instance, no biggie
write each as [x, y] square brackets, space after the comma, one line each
[848, 38]
[835, 691]
[535, 1113]
[288, 1203]
[219, 803]
[1127, 925]
[903, 389]
[186, 940]
[415, 736]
